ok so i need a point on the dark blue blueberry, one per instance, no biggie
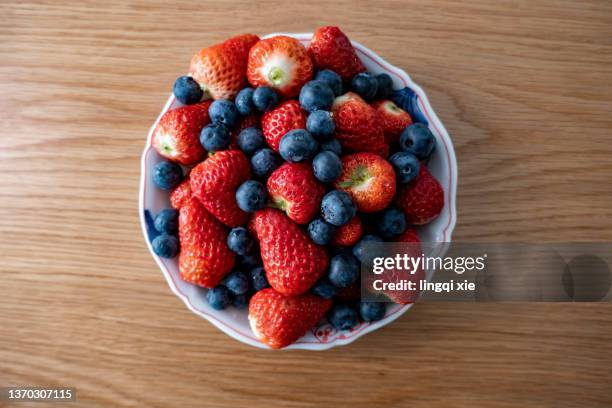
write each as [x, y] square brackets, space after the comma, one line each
[165, 245]
[343, 317]
[320, 124]
[316, 95]
[384, 86]
[333, 80]
[327, 166]
[263, 163]
[167, 175]
[408, 100]
[365, 84]
[359, 248]
[391, 223]
[251, 196]
[224, 111]
[250, 260]
[343, 270]
[237, 283]
[324, 289]
[258, 278]
[321, 232]
[250, 140]
[240, 301]
[167, 221]
[215, 137]
[244, 101]
[187, 90]
[372, 311]
[337, 208]
[297, 145]
[239, 240]
[406, 166]
[218, 297]
[418, 140]
[332, 145]
[265, 98]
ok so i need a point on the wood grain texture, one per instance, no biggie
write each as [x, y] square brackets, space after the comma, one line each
[523, 87]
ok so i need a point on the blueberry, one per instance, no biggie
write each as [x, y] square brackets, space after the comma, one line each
[320, 124]
[384, 86]
[215, 137]
[239, 240]
[365, 85]
[237, 283]
[372, 311]
[321, 232]
[337, 208]
[332, 145]
[316, 95]
[263, 163]
[333, 80]
[167, 175]
[264, 98]
[343, 317]
[418, 140]
[406, 166]
[324, 289]
[258, 278]
[359, 248]
[167, 221]
[327, 166]
[166, 245]
[224, 111]
[297, 145]
[343, 270]
[250, 140]
[251, 196]
[240, 301]
[218, 297]
[244, 101]
[391, 222]
[187, 90]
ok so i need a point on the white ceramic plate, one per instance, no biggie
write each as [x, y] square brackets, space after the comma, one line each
[443, 166]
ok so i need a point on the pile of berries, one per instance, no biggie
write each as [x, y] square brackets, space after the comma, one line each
[281, 163]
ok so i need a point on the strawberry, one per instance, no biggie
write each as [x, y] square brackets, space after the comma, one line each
[214, 182]
[285, 117]
[351, 293]
[181, 194]
[177, 134]
[349, 233]
[279, 320]
[422, 200]
[369, 179]
[245, 122]
[331, 49]
[280, 62]
[392, 118]
[221, 69]
[205, 257]
[293, 263]
[294, 189]
[414, 250]
[357, 125]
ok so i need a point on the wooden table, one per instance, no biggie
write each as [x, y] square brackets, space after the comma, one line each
[525, 90]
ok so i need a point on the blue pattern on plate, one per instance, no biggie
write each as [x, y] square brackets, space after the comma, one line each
[408, 100]
[151, 231]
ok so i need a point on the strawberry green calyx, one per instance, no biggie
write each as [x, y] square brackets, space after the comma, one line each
[279, 203]
[358, 177]
[276, 76]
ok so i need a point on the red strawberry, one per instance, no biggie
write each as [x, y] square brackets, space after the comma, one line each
[285, 117]
[351, 293]
[245, 122]
[205, 257]
[412, 249]
[181, 194]
[392, 118]
[410, 236]
[294, 189]
[177, 134]
[280, 62]
[214, 182]
[349, 233]
[369, 179]
[422, 200]
[221, 69]
[293, 263]
[357, 125]
[279, 320]
[330, 48]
